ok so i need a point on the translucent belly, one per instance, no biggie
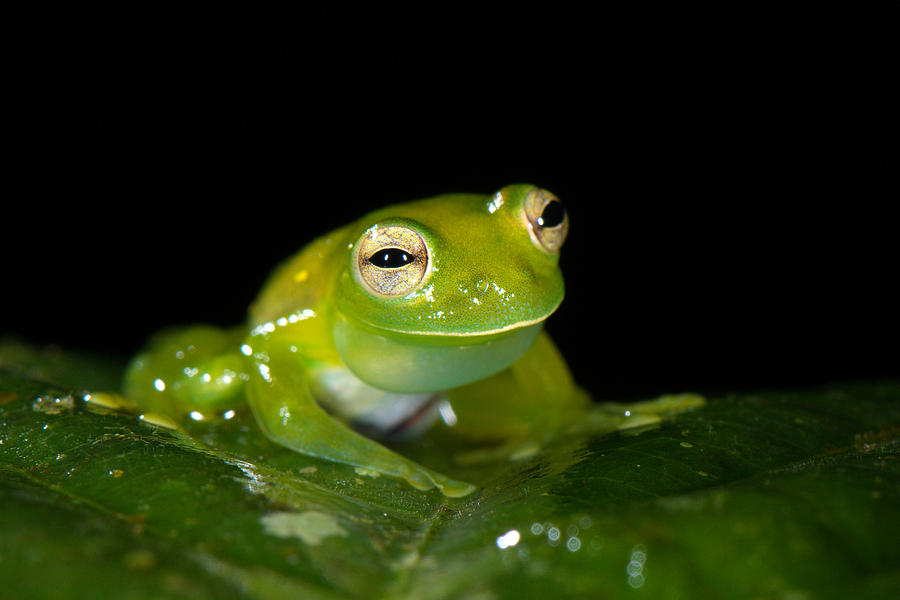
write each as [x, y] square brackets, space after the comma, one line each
[374, 412]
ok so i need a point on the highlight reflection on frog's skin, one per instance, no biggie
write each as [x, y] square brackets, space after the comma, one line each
[437, 303]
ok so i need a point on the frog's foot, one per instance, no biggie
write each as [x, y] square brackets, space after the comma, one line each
[512, 451]
[424, 479]
[615, 416]
[669, 404]
[109, 402]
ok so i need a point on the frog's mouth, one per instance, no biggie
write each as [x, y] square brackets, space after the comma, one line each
[471, 336]
[437, 335]
[408, 362]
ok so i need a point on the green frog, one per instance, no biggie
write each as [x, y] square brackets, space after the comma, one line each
[415, 312]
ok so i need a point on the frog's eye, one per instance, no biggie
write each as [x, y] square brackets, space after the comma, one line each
[547, 219]
[392, 260]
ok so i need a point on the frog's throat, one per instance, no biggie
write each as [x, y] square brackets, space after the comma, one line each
[414, 363]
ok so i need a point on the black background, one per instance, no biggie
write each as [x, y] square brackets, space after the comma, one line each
[725, 172]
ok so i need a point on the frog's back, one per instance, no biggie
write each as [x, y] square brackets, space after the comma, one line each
[303, 282]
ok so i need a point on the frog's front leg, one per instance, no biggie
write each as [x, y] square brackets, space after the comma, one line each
[280, 396]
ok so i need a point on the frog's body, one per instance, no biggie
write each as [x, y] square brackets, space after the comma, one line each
[371, 326]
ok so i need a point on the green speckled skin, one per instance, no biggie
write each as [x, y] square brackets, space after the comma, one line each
[469, 334]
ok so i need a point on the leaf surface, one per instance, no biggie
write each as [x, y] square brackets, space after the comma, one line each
[773, 494]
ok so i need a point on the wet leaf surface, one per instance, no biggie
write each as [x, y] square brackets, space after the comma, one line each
[774, 494]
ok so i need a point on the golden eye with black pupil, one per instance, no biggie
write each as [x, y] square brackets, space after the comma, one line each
[547, 219]
[391, 260]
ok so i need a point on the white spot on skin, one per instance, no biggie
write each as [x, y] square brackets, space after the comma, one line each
[495, 203]
[266, 328]
[427, 294]
[159, 385]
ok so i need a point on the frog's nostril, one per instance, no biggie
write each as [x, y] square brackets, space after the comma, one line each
[526, 273]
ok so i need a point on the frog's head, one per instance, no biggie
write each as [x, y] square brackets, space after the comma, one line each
[448, 290]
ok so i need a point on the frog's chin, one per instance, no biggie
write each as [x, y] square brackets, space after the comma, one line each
[428, 363]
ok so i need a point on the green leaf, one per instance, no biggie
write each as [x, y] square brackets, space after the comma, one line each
[774, 494]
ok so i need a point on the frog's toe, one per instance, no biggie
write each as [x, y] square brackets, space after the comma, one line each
[510, 451]
[640, 420]
[420, 480]
[424, 480]
[456, 489]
